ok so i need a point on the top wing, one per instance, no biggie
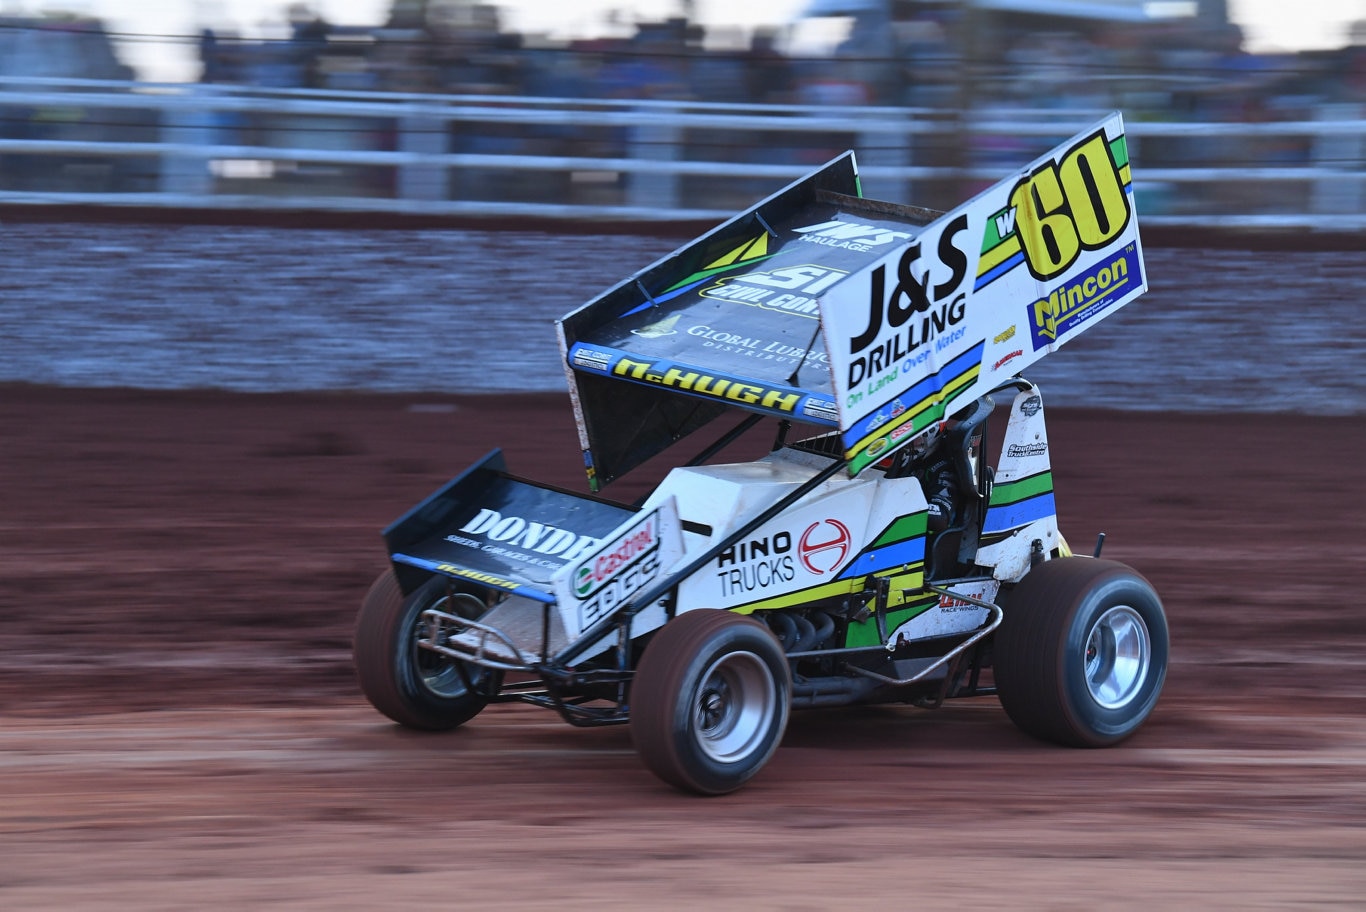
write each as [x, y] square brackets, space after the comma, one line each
[822, 307]
[730, 320]
[983, 292]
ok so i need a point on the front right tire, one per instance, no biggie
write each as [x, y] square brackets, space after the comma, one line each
[413, 686]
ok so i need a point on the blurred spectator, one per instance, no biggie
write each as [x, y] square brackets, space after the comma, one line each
[1195, 68]
[768, 78]
[308, 43]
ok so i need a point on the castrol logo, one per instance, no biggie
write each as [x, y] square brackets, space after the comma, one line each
[621, 553]
[824, 546]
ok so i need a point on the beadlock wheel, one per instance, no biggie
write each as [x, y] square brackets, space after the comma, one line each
[1118, 653]
[737, 699]
[710, 701]
[414, 686]
[1081, 654]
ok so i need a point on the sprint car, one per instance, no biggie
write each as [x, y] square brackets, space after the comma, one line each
[883, 548]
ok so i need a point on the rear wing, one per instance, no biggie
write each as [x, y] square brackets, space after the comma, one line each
[876, 319]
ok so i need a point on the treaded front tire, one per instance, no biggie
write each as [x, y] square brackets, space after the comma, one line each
[1081, 654]
[413, 686]
[710, 701]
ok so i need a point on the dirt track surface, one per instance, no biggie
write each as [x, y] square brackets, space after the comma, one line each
[179, 726]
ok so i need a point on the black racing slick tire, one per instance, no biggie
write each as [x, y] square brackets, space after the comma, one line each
[413, 686]
[710, 701]
[1081, 654]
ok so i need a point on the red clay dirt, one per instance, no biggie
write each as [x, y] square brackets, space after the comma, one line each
[180, 727]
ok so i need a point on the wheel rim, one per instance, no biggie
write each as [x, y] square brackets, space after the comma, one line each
[441, 675]
[734, 707]
[1118, 652]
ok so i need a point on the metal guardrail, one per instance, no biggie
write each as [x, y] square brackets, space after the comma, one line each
[195, 146]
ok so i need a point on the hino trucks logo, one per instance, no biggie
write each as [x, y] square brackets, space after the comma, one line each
[824, 545]
[772, 560]
[756, 564]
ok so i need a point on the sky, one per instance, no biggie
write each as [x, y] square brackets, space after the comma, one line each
[1268, 25]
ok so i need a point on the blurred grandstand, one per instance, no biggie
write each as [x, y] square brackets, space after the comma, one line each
[442, 111]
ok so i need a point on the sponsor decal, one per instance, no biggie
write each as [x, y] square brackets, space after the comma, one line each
[851, 235]
[949, 603]
[487, 579]
[664, 373]
[791, 289]
[616, 590]
[820, 409]
[918, 309]
[756, 348]
[620, 554]
[901, 430]
[522, 539]
[824, 546]
[1031, 406]
[1007, 358]
[927, 401]
[1076, 203]
[592, 359]
[1029, 449]
[604, 597]
[756, 564]
[1083, 297]
[664, 327]
[1005, 336]
[605, 577]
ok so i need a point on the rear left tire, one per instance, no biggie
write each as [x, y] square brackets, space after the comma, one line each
[1081, 654]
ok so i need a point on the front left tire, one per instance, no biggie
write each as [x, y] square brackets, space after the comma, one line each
[710, 701]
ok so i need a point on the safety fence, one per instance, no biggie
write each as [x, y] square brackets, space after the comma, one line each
[198, 146]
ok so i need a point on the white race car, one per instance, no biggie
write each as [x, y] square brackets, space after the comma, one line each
[873, 555]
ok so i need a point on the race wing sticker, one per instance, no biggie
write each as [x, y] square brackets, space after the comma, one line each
[630, 558]
[982, 292]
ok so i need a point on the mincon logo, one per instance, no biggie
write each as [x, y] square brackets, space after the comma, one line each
[851, 235]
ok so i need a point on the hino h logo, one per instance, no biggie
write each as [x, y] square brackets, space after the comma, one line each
[824, 545]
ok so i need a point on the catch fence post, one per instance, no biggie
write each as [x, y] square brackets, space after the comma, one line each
[654, 142]
[423, 134]
[1333, 195]
[184, 173]
[879, 149]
